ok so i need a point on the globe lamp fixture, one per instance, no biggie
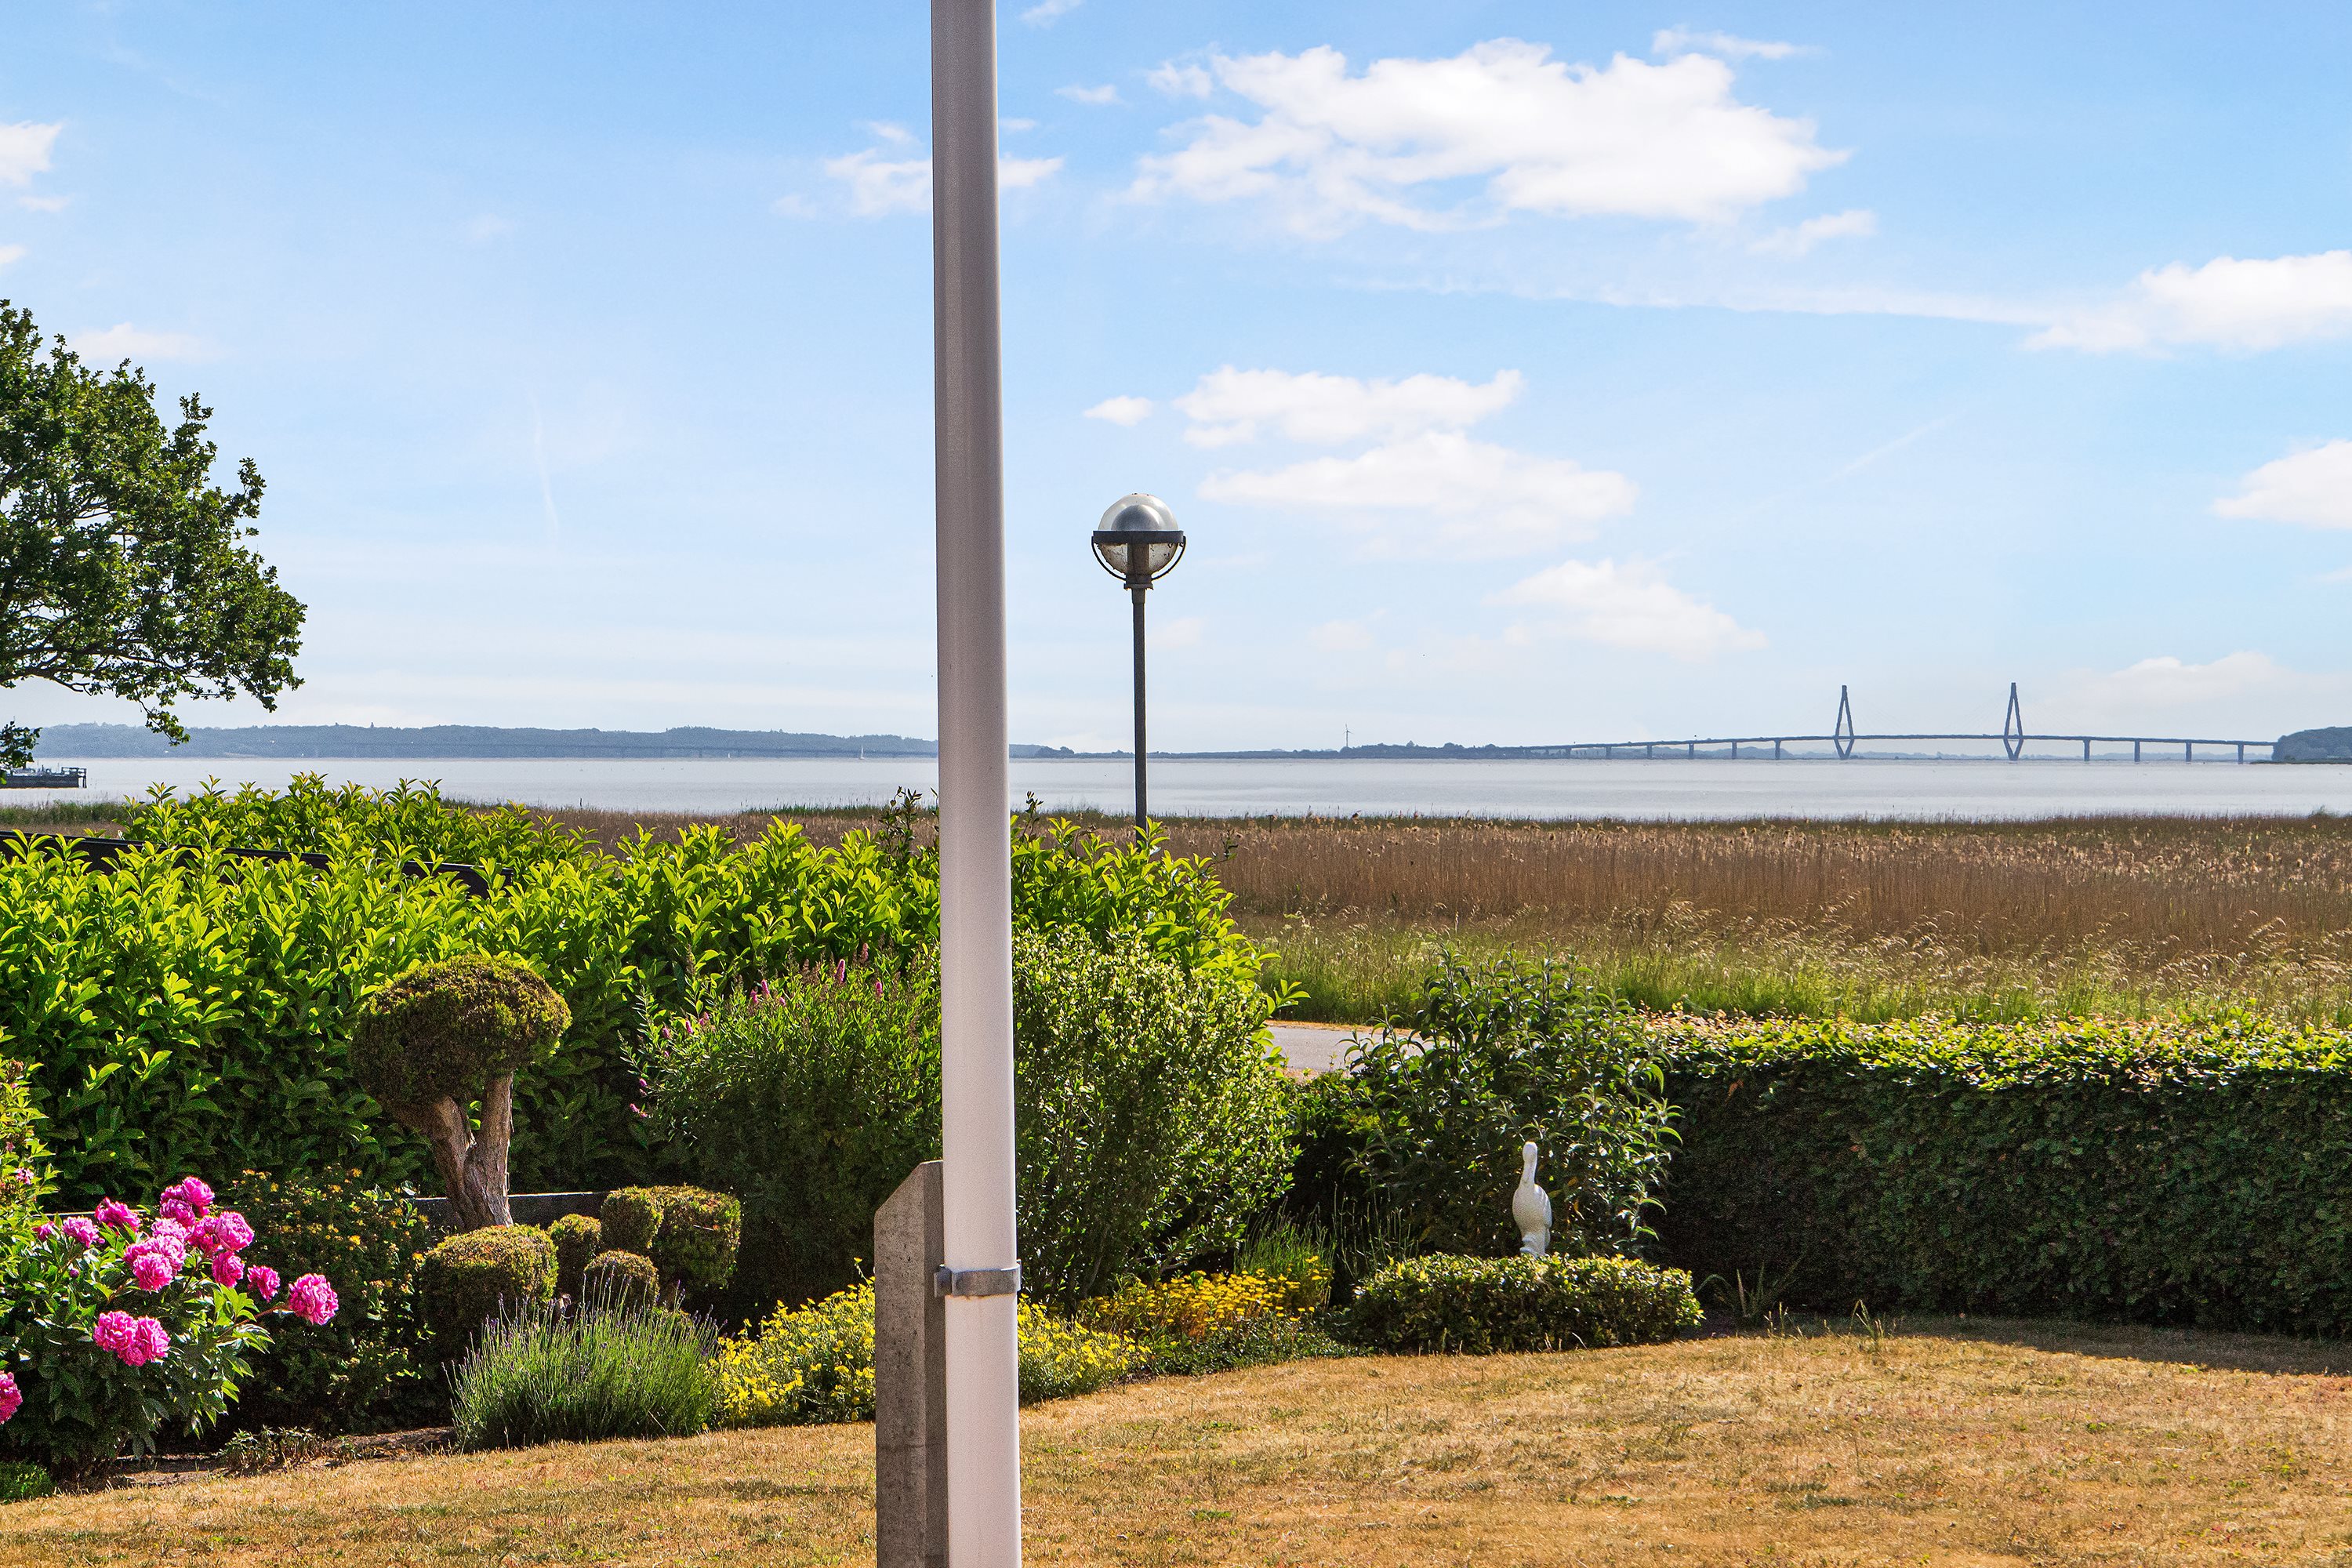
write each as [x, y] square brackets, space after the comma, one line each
[1138, 543]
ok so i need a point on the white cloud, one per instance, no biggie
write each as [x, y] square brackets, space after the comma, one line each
[1016, 125]
[2313, 488]
[1182, 632]
[1629, 606]
[1439, 491]
[880, 184]
[1019, 173]
[1854, 223]
[43, 203]
[122, 340]
[24, 151]
[9, 253]
[2226, 303]
[2169, 682]
[1229, 404]
[1048, 12]
[488, 227]
[890, 131]
[1686, 41]
[1341, 638]
[1098, 97]
[1630, 138]
[1181, 81]
[1126, 410]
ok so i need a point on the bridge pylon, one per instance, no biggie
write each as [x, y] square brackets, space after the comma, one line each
[1842, 736]
[2012, 727]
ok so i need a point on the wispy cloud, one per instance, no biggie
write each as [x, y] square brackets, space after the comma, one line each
[1629, 605]
[1094, 97]
[9, 253]
[1126, 410]
[1892, 447]
[24, 150]
[122, 340]
[881, 183]
[1687, 41]
[1799, 239]
[1049, 11]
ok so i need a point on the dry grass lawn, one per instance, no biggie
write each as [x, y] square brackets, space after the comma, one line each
[1952, 1443]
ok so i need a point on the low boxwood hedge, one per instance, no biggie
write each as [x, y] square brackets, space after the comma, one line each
[2151, 1172]
[1480, 1306]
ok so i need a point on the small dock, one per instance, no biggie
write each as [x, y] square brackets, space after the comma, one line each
[44, 778]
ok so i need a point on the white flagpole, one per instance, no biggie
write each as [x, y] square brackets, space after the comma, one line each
[984, 1388]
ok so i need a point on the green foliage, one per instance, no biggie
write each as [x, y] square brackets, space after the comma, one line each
[24, 1158]
[441, 1030]
[1482, 1306]
[605, 1370]
[811, 1098]
[480, 1275]
[195, 1015]
[2177, 1172]
[629, 1219]
[21, 1480]
[577, 1237]
[1494, 1056]
[128, 574]
[1296, 1255]
[361, 1370]
[813, 1364]
[621, 1278]
[695, 1245]
[1069, 877]
[1151, 1109]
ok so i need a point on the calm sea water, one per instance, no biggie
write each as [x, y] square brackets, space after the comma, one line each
[1529, 789]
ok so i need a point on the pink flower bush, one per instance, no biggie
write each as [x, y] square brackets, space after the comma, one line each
[43, 1231]
[111, 1331]
[82, 1230]
[311, 1299]
[134, 1342]
[262, 1280]
[11, 1396]
[152, 1270]
[178, 1213]
[224, 1234]
[228, 1268]
[117, 1215]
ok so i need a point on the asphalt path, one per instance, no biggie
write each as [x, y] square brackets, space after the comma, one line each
[1310, 1049]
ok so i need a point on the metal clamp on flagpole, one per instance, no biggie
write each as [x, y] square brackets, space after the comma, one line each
[978, 1281]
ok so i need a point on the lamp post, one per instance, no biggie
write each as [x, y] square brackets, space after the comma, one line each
[1138, 543]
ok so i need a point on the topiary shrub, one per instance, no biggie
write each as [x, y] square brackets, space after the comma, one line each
[695, 1245]
[577, 1237]
[1481, 1305]
[443, 1034]
[496, 1271]
[619, 1279]
[630, 1219]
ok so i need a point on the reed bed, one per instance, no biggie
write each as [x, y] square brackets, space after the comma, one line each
[2130, 915]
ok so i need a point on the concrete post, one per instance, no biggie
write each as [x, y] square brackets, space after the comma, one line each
[910, 1376]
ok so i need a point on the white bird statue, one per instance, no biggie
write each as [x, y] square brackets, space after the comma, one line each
[1531, 1208]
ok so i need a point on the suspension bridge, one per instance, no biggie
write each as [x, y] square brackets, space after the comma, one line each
[1845, 741]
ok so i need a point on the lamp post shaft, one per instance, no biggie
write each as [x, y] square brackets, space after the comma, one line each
[983, 1421]
[1142, 803]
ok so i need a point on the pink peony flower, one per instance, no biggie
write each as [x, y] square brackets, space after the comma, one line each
[118, 1216]
[262, 1280]
[311, 1299]
[192, 1192]
[148, 1342]
[82, 1230]
[224, 1233]
[171, 1227]
[113, 1330]
[43, 1231]
[175, 1211]
[11, 1396]
[151, 1270]
[228, 1268]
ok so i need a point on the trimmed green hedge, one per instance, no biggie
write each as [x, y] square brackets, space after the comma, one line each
[1482, 1306]
[2170, 1173]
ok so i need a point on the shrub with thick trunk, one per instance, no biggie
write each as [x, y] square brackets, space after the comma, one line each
[443, 1034]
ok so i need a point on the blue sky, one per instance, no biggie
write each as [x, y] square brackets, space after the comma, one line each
[1522, 372]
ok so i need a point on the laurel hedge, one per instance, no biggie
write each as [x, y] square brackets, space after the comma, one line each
[187, 1009]
[2166, 1172]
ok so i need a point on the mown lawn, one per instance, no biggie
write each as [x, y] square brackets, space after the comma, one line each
[1951, 1442]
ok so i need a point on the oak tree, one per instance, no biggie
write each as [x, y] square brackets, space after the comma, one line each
[123, 570]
